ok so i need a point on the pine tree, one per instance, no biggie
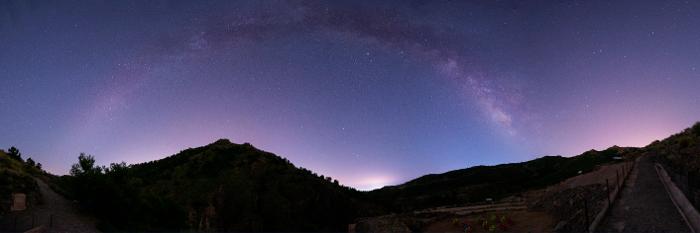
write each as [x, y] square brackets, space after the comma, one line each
[13, 152]
[31, 162]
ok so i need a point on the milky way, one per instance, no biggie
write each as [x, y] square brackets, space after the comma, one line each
[371, 93]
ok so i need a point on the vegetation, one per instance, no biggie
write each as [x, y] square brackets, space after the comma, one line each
[14, 154]
[16, 177]
[231, 187]
[475, 184]
[680, 151]
[218, 187]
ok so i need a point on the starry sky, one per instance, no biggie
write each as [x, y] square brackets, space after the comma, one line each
[370, 93]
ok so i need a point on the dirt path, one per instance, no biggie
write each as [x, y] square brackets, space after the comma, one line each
[58, 214]
[644, 205]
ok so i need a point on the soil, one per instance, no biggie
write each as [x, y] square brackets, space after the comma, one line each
[57, 214]
[522, 221]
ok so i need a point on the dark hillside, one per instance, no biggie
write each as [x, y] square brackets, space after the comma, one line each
[236, 187]
[475, 184]
[220, 187]
[16, 176]
[681, 151]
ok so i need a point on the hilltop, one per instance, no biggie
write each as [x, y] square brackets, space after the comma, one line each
[218, 187]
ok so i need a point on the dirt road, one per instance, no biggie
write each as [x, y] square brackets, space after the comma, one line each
[58, 214]
[644, 205]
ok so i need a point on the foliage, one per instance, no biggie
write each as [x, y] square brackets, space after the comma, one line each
[231, 187]
[14, 153]
[85, 166]
[494, 222]
[30, 162]
[219, 187]
[475, 184]
[15, 177]
[679, 150]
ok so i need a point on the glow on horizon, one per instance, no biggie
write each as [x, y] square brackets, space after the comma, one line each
[369, 93]
[373, 182]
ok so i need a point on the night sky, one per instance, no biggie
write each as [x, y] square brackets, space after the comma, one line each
[371, 93]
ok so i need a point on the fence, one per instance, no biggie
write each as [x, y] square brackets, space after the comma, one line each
[587, 205]
[687, 181]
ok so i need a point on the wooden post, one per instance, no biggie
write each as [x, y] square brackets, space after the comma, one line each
[585, 212]
[629, 169]
[691, 190]
[687, 181]
[617, 178]
[607, 188]
[624, 169]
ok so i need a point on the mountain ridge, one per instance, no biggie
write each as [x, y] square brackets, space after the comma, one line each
[198, 188]
[204, 188]
[224, 186]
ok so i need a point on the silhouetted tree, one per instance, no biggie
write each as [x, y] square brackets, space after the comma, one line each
[13, 152]
[85, 166]
[252, 191]
[30, 162]
[696, 129]
[38, 165]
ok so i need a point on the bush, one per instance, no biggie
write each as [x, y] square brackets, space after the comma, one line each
[696, 129]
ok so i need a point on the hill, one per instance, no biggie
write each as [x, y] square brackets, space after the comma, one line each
[475, 184]
[680, 151]
[16, 176]
[235, 187]
[218, 187]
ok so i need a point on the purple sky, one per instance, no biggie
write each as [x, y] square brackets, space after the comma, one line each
[368, 93]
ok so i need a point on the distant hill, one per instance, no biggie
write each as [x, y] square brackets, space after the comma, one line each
[218, 187]
[681, 151]
[235, 187]
[475, 184]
